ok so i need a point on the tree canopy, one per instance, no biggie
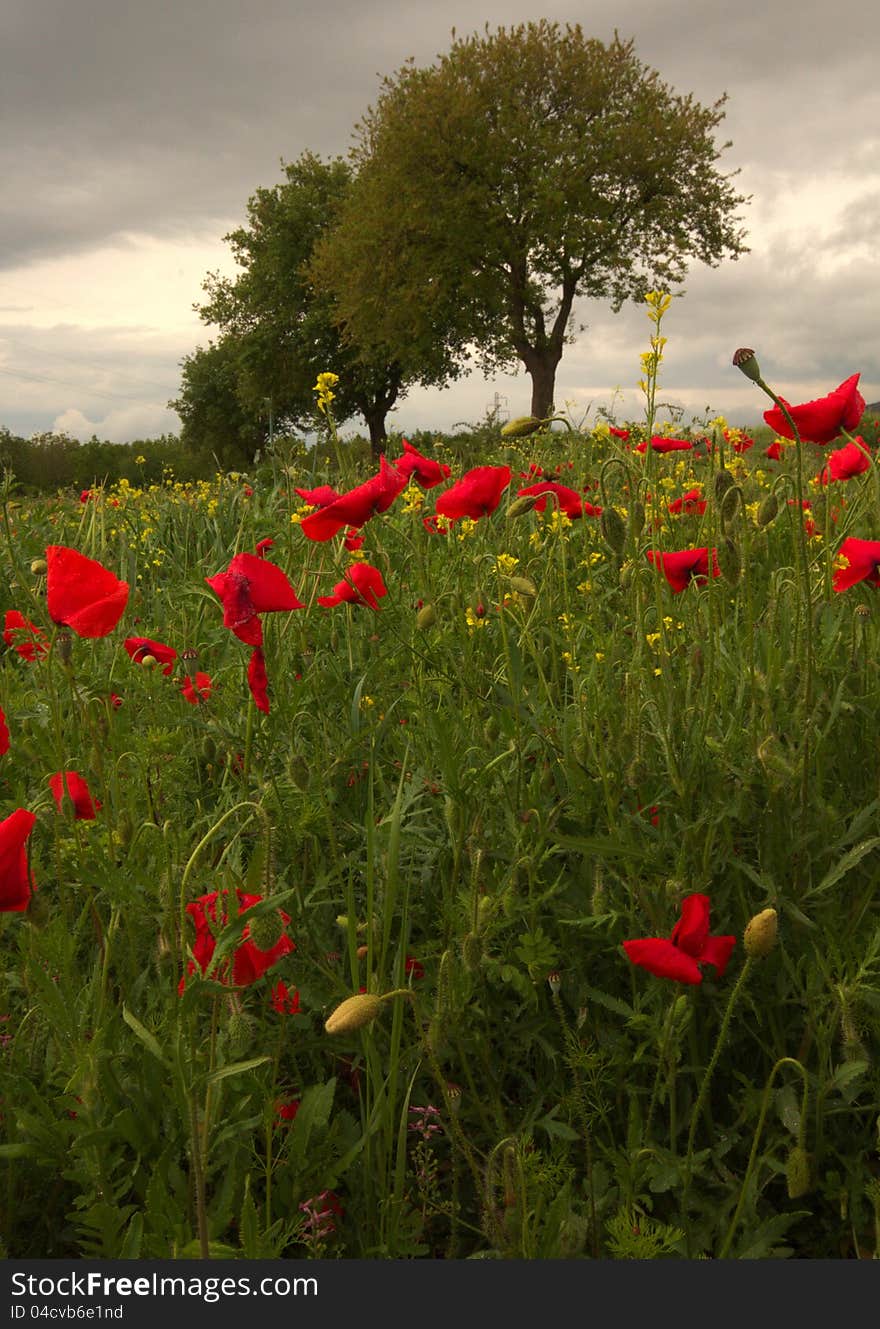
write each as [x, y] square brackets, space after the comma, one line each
[523, 169]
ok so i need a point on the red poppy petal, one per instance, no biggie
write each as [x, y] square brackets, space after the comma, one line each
[82, 593]
[717, 951]
[692, 929]
[258, 680]
[663, 959]
[16, 882]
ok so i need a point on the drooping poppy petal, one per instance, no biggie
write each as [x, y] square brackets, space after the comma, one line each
[16, 882]
[683, 566]
[822, 420]
[363, 585]
[198, 689]
[424, 470]
[357, 506]
[692, 929]
[846, 462]
[477, 494]
[691, 502]
[258, 679]
[252, 586]
[663, 959]
[321, 497]
[660, 443]
[568, 500]
[84, 807]
[82, 594]
[138, 647]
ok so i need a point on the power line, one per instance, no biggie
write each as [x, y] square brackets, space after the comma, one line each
[77, 387]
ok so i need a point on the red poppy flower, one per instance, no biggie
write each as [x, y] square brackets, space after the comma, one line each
[862, 563]
[846, 462]
[197, 690]
[85, 495]
[4, 734]
[738, 441]
[774, 452]
[84, 808]
[568, 500]
[476, 494]
[82, 594]
[357, 506]
[16, 882]
[684, 566]
[414, 968]
[258, 679]
[691, 502]
[363, 585]
[432, 525]
[353, 540]
[248, 491]
[287, 1111]
[262, 547]
[660, 443]
[138, 647]
[426, 472]
[622, 434]
[822, 420]
[689, 947]
[248, 963]
[252, 586]
[25, 638]
[321, 497]
[284, 1001]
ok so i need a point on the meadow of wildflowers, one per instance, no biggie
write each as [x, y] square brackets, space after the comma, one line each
[445, 861]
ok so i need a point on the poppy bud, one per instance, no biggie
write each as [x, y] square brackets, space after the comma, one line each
[768, 511]
[39, 567]
[521, 505]
[723, 482]
[238, 1032]
[797, 1173]
[491, 729]
[554, 982]
[729, 560]
[730, 503]
[471, 952]
[353, 1013]
[484, 912]
[266, 930]
[209, 748]
[636, 519]
[148, 661]
[745, 361]
[521, 426]
[613, 530]
[524, 586]
[760, 934]
[299, 771]
[426, 617]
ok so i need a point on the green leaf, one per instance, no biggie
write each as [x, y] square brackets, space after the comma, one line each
[149, 1040]
[844, 865]
[237, 1068]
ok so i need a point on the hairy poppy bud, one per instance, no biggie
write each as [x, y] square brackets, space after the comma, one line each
[524, 586]
[768, 510]
[723, 481]
[636, 519]
[298, 769]
[238, 1032]
[148, 661]
[353, 1013]
[729, 561]
[521, 505]
[39, 567]
[426, 617]
[760, 934]
[521, 426]
[613, 530]
[471, 952]
[797, 1173]
[730, 503]
[266, 930]
[745, 361]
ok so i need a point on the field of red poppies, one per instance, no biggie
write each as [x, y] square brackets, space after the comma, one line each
[449, 860]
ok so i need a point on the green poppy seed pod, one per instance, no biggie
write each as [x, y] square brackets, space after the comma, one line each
[522, 426]
[768, 511]
[797, 1173]
[239, 1031]
[298, 768]
[760, 934]
[426, 617]
[729, 561]
[746, 362]
[471, 952]
[524, 586]
[353, 1013]
[39, 567]
[522, 505]
[613, 530]
[730, 503]
[636, 519]
[723, 481]
[266, 930]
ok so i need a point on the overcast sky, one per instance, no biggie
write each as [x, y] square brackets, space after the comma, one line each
[132, 135]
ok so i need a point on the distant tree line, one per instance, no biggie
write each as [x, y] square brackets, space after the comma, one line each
[48, 462]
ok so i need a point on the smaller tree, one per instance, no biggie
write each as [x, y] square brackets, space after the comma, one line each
[215, 415]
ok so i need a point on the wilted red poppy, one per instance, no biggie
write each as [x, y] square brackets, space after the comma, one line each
[476, 494]
[363, 585]
[4, 734]
[846, 462]
[568, 500]
[82, 594]
[357, 506]
[684, 566]
[284, 1001]
[691, 502]
[138, 647]
[424, 470]
[198, 689]
[25, 638]
[822, 420]
[248, 962]
[84, 807]
[862, 563]
[252, 586]
[262, 547]
[16, 882]
[689, 947]
[660, 443]
[258, 679]
[321, 497]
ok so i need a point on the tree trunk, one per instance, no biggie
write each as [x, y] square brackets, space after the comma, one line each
[375, 418]
[541, 365]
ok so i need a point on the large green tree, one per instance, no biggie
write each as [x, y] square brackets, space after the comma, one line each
[285, 331]
[523, 169]
[214, 415]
